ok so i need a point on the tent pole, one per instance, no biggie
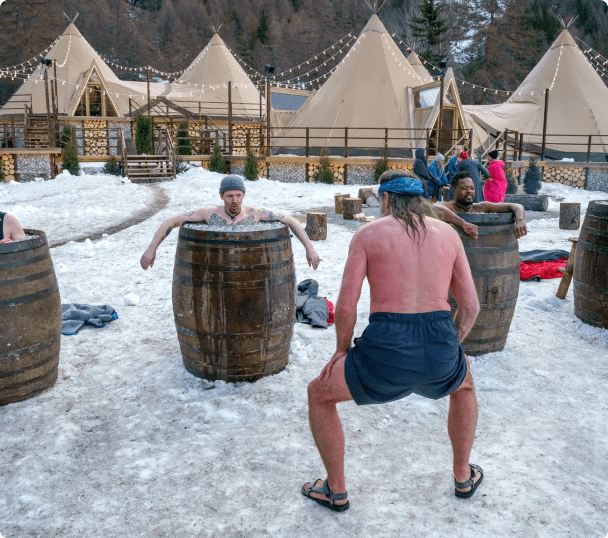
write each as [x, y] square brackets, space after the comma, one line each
[268, 117]
[437, 149]
[230, 116]
[48, 112]
[506, 143]
[542, 155]
[148, 81]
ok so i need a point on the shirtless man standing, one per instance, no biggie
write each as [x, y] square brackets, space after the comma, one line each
[233, 212]
[463, 188]
[410, 260]
[10, 229]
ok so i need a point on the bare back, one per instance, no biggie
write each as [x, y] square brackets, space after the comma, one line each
[413, 276]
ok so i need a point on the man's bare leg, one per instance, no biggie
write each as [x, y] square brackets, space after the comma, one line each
[323, 395]
[462, 421]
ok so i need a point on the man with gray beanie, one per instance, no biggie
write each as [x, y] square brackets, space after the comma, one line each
[231, 213]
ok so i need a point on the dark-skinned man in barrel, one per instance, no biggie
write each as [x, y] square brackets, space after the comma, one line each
[463, 188]
[231, 213]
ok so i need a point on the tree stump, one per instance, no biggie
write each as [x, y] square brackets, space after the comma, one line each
[338, 202]
[569, 216]
[568, 271]
[364, 193]
[316, 226]
[350, 207]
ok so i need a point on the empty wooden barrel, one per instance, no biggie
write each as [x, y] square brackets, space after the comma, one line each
[30, 319]
[234, 300]
[494, 261]
[591, 267]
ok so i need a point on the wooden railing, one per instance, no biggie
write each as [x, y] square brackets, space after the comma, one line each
[123, 154]
[163, 145]
[587, 145]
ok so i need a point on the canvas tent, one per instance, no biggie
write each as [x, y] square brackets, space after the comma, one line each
[373, 88]
[212, 68]
[418, 67]
[578, 103]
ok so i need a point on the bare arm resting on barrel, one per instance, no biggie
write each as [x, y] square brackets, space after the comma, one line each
[203, 214]
[265, 215]
[517, 209]
[447, 215]
[12, 230]
[463, 289]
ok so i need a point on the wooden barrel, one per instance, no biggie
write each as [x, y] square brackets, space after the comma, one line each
[591, 267]
[494, 261]
[234, 301]
[30, 319]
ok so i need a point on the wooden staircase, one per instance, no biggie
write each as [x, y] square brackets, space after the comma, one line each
[149, 168]
[36, 131]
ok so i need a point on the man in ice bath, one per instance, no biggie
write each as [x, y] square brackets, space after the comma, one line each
[411, 260]
[233, 212]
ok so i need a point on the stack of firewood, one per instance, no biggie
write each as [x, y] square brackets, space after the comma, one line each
[8, 167]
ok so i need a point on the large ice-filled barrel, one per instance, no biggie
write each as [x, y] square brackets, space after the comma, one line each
[494, 261]
[30, 318]
[591, 267]
[234, 299]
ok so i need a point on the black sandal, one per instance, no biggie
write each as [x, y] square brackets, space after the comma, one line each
[469, 483]
[331, 497]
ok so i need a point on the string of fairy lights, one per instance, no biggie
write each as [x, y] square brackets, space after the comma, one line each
[597, 61]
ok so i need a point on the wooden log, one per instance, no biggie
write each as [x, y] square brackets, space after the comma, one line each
[9, 177]
[316, 226]
[568, 271]
[569, 216]
[364, 193]
[350, 207]
[338, 202]
[531, 202]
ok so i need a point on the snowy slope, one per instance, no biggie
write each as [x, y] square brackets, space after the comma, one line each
[129, 444]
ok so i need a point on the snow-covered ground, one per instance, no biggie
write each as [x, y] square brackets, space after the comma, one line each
[128, 444]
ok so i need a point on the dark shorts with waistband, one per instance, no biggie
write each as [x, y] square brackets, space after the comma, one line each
[398, 354]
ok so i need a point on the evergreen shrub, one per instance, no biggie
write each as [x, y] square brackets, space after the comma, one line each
[1, 175]
[217, 162]
[251, 167]
[181, 166]
[70, 160]
[66, 137]
[533, 178]
[111, 167]
[381, 167]
[324, 173]
[184, 146]
[143, 135]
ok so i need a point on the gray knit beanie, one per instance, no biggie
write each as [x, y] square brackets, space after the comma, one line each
[232, 183]
[439, 157]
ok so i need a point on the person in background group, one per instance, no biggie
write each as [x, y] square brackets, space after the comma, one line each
[453, 165]
[437, 170]
[422, 171]
[10, 229]
[495, 188]
[473, 169]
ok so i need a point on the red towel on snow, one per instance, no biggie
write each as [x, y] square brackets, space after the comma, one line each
[545, 270]
[330, 319]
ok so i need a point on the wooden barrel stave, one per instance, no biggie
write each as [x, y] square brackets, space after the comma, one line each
[494, 262]
[590, 278]
[30, 317]
[234, 303]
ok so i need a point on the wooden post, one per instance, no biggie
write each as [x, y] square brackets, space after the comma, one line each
[506, 142]
[84, 140]
[148, 84]
[542, 153]
[568, 271]
[13, 137]
[248, 141]
[56, 104]
[515, 138]
[230, 117]
[338, 203]
[199, 111]
[589, 148]
[345, 142]
[307, 141]
[130, 109]
[316, 226]
[569, 216]
[268, 97]
[351, 207]
[87, 101]
[521, 146]
[470, 142]
[261, 113]
[48, 112]
[438, 131]
[386, 142]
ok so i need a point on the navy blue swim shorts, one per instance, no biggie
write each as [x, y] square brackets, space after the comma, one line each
[398, 354]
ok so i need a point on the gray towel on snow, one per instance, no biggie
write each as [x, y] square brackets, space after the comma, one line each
[75, 316]
[310, 308]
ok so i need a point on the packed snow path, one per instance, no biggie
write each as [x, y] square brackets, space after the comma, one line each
[129, 444]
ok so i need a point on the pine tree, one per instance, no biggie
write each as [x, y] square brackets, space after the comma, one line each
[184, 146]
[381, 167]
[143, 135]
[324, 173]
[262, 31]
[70, 160]
[251, 167]
[430, 29]
[111, 167]
[217, 163]
[533, 178]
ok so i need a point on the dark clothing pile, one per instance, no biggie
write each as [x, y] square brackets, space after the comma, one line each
[310, 308]
[542, 264]
[75, 316]
[474, 168]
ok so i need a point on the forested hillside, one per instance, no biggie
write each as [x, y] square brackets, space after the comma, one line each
[492, 43]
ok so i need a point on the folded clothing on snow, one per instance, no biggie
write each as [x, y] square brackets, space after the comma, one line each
[541, 264]
[75, 316]
[310, 308]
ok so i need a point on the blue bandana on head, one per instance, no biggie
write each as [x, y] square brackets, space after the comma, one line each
[402, 185]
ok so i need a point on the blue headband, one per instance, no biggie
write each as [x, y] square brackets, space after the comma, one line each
[402, 185]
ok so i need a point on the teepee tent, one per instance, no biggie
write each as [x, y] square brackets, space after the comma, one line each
[418, 67]
[211, 70]
[578, 103]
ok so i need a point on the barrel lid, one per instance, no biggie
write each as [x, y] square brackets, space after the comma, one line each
[598, 206]
[25, 244]
[488, 219]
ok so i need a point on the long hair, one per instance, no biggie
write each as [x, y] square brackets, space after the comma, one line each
[405, 206]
